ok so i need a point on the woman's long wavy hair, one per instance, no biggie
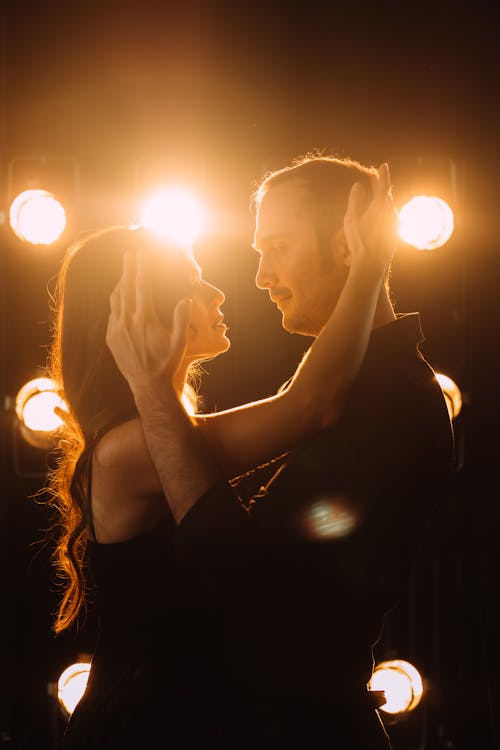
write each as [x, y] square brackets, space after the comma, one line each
[96, 393]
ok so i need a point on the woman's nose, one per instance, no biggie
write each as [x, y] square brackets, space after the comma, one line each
[215, 295]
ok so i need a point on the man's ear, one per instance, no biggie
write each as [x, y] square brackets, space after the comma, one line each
[341, 253]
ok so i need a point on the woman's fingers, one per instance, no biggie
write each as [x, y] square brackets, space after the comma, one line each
[141, 345]
[383, 184]
[356, 200]
[115, 302]
[133, 292]
[128, 283]
[370, 233]
[351, 218]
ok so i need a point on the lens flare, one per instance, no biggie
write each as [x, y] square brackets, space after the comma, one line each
[37, 217]
[426, 222]
[329, 518]
[175, 214]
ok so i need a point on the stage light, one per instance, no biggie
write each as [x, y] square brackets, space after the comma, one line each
[189, 399]
[176, 214]
[426, 222]
[35, 409]
[401, 683]
[71, 685]
[37, 217]
[452, 394]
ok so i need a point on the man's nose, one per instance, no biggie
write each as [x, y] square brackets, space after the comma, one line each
[265, 277]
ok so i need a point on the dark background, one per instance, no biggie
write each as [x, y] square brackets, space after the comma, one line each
[117, 96]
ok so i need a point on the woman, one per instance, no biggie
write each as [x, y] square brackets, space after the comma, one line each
[155, 665]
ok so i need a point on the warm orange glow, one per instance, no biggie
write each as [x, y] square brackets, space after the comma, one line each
[35, 404]
[71, 685]
[452, 394]
[176, 214]
[35, 408]
[401, 683]
[426, 222]
[37, 217]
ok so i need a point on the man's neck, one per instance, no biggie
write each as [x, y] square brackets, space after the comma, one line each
[384, 312]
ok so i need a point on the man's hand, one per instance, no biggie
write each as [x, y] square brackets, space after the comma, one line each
[147, 354]
[372, 236]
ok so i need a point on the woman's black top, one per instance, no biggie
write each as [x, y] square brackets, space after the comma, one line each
[153, 681]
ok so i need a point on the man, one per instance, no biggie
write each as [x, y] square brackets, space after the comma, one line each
[334, 530]
[349, 505]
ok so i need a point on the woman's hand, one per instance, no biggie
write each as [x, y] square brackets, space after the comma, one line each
[147, 354]
[371, 236]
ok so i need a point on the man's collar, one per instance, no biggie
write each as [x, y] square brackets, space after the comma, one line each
[404, 333]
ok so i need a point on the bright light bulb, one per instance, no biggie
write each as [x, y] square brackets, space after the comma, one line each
[426, 222]
[72, 684]
[175, 214]
[35, 404]
[452, 394]
[400, 682]
[39, 414]
[35, 408]
[36, 216]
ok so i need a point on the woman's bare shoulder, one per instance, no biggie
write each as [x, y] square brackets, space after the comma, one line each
[126, 440]
[126, 492]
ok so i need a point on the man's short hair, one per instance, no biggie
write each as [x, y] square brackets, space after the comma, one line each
[327, 180]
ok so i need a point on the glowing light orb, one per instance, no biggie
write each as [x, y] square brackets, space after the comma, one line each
[175, 214]
[36, 216]
[452, 394]
[71, 685]
[35, 404]
[400, 682]
[426, 222]
[189, 399]
[330, 518]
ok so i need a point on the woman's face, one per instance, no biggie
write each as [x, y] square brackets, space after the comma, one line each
[207, 330]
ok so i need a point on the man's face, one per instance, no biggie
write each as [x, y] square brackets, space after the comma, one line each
[290, 263]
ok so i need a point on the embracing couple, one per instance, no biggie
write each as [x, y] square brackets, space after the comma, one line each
[223, 623]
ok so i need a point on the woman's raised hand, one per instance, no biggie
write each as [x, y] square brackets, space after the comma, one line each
[146, 352]
[371, 235]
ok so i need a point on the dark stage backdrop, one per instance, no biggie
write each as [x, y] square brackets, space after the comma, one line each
[105, 99]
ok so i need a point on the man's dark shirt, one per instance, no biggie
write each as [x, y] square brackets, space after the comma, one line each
[331, 542]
